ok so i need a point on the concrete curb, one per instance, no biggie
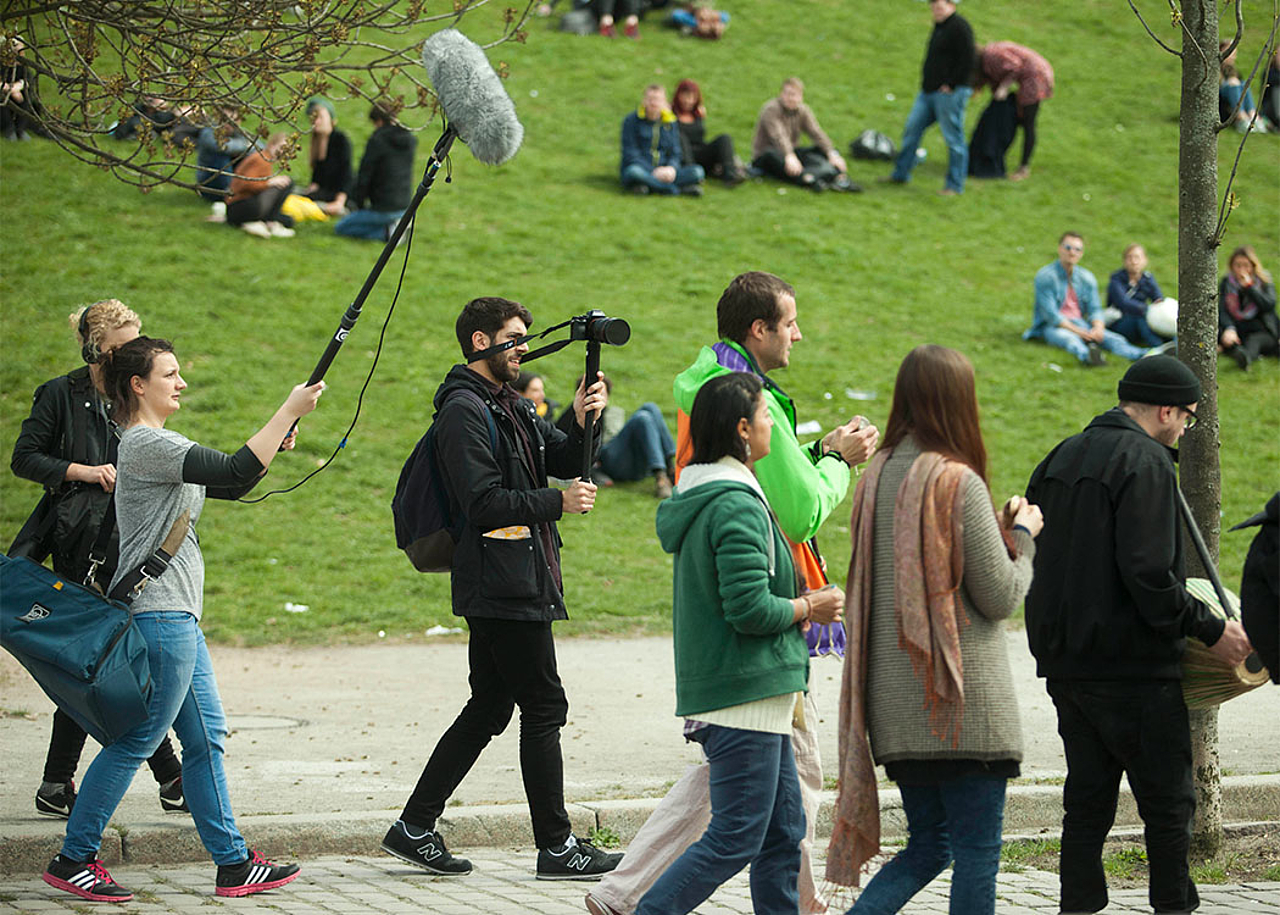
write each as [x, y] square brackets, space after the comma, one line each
[1030, 809]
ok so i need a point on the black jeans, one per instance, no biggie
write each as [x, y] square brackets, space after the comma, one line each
[1139, 728]
[512, 663]
[716, 157]
[263, 206]
[67, 742]
[816, 166]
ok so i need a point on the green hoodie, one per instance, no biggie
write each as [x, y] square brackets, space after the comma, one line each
[735, 641]
[803, 488]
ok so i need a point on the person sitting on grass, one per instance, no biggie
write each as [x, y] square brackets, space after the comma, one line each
[330, 158]
[384, 184]
[1067, 313]
[257, 195]
[1247, 322]
[1131, 289]
[629, 10]
[778, 129]
[218, 148]
[652, 154]
[716, 157]
[1235, 100]
[533, 387]
[631, 447]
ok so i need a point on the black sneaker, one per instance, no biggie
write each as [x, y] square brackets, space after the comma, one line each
[428, 852]
[1236, 352]
[255, 875]
[171, 799]
[56, 800]
[88, 880]
[1095, 356]
[579, 860]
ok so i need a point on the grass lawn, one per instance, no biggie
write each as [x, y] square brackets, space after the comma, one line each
[876, 274]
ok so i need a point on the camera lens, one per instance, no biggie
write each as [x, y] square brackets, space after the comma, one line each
[614, 331]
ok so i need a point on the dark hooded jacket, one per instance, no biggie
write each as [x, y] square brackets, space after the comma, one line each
[385, 180]
[1108, 600]
[504, 575]
[1260, 586]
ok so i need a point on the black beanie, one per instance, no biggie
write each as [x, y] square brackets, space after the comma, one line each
[1161, 381]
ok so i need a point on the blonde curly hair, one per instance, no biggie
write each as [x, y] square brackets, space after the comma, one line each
[106, 315]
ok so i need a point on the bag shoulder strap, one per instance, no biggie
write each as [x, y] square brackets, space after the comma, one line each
[129, 587]
[98, 551]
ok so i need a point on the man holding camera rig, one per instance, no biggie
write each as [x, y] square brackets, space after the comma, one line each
[494, 453]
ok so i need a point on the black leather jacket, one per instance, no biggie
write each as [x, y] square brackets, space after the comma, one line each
[495, 489]
[69, 422]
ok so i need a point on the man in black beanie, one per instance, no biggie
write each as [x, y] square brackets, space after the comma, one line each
[1107, 617]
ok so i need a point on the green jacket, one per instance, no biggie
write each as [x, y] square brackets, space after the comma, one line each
[735, 641]
[803, 487]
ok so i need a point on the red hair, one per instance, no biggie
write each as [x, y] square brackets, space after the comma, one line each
[698, 110]
[935, 402]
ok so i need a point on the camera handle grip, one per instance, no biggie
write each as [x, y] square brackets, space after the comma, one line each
[589, 421]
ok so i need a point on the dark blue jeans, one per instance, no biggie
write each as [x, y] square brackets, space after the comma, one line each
[1135, 329]
[641, 447]
[756, 819]
[958, 820]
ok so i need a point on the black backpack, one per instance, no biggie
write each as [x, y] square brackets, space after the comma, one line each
[425, 527]
[871, 144]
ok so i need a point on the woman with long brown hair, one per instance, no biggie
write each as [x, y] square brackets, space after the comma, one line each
[1247, 323]
[927, 690]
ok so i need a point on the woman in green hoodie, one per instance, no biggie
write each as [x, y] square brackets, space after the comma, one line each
[741, 658]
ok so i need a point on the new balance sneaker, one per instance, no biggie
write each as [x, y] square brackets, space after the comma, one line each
[89, 880]
[171, 799]
[55, 799]
[578, 860]
[255, 875]
[426, 851]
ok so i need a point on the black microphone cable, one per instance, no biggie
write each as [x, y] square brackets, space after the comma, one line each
[408, 248]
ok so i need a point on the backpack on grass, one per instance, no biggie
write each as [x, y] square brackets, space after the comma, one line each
[425, 527]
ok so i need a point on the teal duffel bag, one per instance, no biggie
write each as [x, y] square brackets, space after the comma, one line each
[82, 648]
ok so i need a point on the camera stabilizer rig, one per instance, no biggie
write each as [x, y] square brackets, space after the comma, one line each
[594, 327]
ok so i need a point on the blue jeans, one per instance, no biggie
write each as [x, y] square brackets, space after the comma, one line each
[756, 819]
[184, 696]
[641, 447]
[960, 820]
[371, 224]
[1135, 329]
[685, 175]
[1074, 344]
[947, 108]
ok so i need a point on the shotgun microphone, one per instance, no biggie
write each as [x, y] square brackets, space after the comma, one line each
[471, 96]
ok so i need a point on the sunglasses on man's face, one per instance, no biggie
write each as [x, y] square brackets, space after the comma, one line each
[1073, 248]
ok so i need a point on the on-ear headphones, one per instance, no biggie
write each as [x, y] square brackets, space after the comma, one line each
[88, 350]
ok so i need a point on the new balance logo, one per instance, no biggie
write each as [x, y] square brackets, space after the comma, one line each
[579, 862]
[36, 612]
[429, 852]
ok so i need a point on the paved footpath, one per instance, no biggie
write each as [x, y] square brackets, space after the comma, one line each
[503, 884]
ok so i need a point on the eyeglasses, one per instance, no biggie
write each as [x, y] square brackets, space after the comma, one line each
[1192, 419]
[1073, 248]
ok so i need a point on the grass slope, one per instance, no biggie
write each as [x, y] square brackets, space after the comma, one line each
[876, 275]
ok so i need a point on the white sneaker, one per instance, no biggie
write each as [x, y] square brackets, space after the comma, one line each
[217, 212]
[257, 227]
[279, 231]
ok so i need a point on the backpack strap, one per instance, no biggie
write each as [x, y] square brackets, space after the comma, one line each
[488, 414]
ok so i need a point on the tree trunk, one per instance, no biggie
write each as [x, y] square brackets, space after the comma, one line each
[1197, 347]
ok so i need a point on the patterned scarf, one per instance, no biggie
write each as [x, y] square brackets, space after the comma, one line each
[928, 565]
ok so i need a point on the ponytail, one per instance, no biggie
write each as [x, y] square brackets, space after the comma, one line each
[119, 367]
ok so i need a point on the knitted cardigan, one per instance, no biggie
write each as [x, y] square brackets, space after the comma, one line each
[992, 587]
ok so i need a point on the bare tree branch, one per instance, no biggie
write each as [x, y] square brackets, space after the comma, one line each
[92, 64]
[1267, 50]
[1151, 33]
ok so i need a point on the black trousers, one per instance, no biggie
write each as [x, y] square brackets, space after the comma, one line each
[512, 663]
[716, 157]
[263, 206]
[1139, 728]
[816, 166]
[66, 743]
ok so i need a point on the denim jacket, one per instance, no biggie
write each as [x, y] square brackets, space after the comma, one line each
[1051, 292]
